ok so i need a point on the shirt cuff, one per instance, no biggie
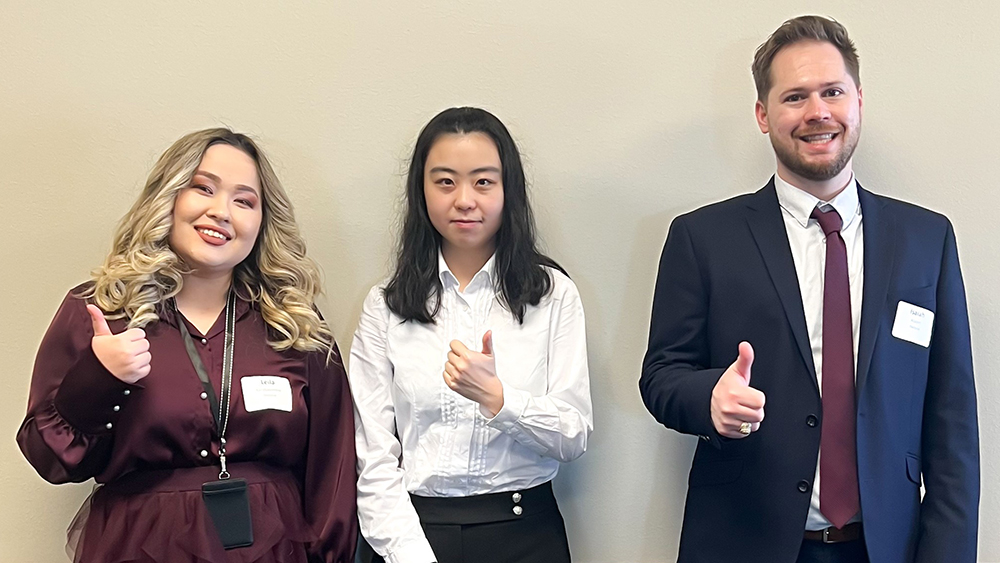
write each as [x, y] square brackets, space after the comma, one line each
[412, 551]
[90, 399]
[514, 403]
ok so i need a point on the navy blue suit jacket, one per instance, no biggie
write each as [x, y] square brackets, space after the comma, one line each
[727, 275]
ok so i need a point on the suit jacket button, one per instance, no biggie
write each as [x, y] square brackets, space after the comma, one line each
[803, 486]
[811, 421]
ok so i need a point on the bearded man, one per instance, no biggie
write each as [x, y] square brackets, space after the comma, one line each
[839, 313]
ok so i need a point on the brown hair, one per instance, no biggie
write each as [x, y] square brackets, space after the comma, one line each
[803, 28]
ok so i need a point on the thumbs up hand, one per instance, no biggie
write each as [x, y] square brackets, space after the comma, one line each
[125, 355]
[473, 375]
[734, 402]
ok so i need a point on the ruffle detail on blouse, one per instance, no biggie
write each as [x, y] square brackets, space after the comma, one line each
[173, 526]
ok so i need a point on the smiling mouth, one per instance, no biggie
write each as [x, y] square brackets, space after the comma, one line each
[212, 233]
[819, 138]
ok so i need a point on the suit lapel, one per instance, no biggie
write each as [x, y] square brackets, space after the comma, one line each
[768, 230]
[880, 249]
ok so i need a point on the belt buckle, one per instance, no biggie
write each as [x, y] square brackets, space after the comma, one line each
[826, 535]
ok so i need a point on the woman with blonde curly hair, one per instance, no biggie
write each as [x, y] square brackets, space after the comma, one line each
[195, 381]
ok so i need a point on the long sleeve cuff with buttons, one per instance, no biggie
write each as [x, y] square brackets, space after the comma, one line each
[68, 430]
[91, 399]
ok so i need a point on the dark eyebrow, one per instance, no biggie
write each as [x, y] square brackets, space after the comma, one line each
[442, 169]
[239, 187]
[447, 170]
[493, 169]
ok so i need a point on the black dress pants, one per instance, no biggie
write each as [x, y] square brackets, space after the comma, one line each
[510, 527]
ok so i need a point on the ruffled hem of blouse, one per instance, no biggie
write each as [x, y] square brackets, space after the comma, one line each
[175, 527]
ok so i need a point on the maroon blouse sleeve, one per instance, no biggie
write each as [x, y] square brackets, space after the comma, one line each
[74, 402]
[330, 491]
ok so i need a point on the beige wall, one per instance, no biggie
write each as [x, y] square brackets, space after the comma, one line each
[629, 113]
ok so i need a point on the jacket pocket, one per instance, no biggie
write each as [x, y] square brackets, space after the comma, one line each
[715, 472]
[925, 297]
[913, 468]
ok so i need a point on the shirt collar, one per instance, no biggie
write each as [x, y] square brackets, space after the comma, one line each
[800, 204]
[167, 311]
[448, 279]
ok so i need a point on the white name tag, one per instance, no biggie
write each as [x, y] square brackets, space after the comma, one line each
[266, 392]
[913, 324]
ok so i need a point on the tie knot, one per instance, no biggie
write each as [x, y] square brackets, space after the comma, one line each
[829, 221]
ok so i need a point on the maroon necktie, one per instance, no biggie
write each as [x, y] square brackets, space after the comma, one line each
[839, 499]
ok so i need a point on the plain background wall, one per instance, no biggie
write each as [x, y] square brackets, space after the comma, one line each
[629, 113]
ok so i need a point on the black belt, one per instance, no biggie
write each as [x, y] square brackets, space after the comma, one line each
[482, 509]
[849, 532]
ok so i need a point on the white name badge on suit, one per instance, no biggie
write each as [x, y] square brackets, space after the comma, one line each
[913, 324]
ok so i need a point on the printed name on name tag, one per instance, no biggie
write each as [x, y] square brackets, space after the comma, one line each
[913, 324]
[266, 392]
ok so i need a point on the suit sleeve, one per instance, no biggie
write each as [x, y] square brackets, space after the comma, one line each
[74, 402]
[677, 382]
[949, 514]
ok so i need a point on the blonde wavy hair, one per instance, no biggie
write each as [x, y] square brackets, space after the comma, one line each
[142, 272]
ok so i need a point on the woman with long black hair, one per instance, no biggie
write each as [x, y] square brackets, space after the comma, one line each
[469, 365]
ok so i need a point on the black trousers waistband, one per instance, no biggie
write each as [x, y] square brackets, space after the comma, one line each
[481, 509]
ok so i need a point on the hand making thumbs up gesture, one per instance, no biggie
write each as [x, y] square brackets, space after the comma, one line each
[473, 375]
[125, 355]
[737, 408]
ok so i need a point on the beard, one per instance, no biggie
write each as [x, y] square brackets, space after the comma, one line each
[818, 171]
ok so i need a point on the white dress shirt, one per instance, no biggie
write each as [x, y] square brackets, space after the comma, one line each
[808, 244]
[445, 446]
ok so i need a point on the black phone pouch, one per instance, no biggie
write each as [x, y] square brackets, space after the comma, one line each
[229, 507]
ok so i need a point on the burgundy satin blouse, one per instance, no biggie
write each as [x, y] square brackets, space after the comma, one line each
[82, 422]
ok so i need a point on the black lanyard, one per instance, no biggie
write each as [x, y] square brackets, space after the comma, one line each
[220, 409]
